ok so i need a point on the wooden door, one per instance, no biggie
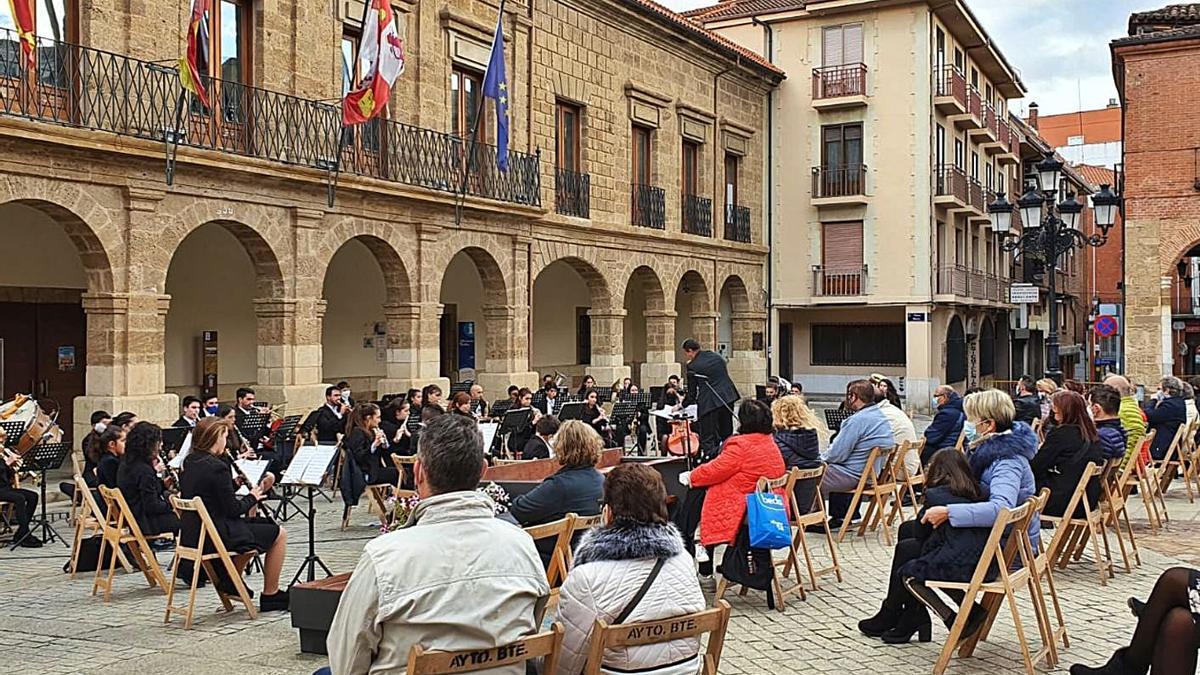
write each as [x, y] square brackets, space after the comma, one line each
[18, 332]
[61, 357]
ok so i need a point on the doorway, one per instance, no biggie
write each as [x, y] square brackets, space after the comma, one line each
[44, 353]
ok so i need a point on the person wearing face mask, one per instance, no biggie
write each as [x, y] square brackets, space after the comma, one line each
[1105, 407]
[190, 413]
[947, 424]
[209, 409]
[344, 387]
[329, 420]
[1064, 455]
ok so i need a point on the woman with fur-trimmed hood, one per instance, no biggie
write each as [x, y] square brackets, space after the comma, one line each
[635, 545]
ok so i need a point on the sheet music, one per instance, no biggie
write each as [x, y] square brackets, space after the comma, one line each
[177, 461]
[309, 465]
[254, 470]
[488, 429]
[667, 412]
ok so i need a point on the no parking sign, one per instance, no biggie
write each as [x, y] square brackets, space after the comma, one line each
[1106, 326]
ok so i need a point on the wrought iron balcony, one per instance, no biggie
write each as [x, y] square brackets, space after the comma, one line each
[93, 89]
[950, 90]
[951, 182]
[648, 206]
[573, 193]
[737, 223]
[839, 81]
[839, 282]
[840, 180]
[963, 282]
[697, 215]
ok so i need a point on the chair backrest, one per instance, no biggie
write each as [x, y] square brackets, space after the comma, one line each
[1090, 472]
[886, 473]
[208, 531]
[547, 645]
[714, 621]
[89, 499]
[800, 476]
[999, 550]
[561, 530]
[906, 448]
[113, 514]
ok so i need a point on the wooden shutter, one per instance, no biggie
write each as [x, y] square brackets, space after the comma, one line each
[852, 43]
[842, 247]
[832, 53]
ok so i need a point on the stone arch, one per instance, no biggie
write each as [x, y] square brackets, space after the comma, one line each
[599, 290]
[88, 239]
[738, 295]
[495, 283]
[956, 351]
[382, 241]
[643, 277]
[474, 291]
[1177, 245]
[695, 286]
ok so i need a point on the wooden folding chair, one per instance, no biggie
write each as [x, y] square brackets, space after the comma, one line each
[581, 524]
[907, 482]
[1001, 554]
[1191, 474]
[76, 499]
[1042, 570]
[120, 527]
[1170, 464]
[1072, 533]
[377, 500]
[961, 444]
[404, 466]
[868, 477]
[208, 533]
[1135, 476]
[880, 489]
[714, 621]
[561, 530]
[1150, 485]
[543, 645]
[815, 516]
[774, 485]
[88, 523]
[1115, 509]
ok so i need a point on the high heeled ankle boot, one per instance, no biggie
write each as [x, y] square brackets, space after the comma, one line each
[1117, 665]
[914, 621]
[884, 620]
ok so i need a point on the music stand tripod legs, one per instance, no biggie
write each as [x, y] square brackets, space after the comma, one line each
[42, 458]
[312, 560]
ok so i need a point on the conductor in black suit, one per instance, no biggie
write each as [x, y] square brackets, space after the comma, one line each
[713, 393]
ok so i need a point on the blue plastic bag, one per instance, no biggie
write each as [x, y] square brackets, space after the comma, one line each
[767, 520]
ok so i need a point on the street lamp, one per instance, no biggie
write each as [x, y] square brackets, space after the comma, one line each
[1048, 237]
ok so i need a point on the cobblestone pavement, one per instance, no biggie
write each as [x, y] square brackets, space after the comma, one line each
[51, 624]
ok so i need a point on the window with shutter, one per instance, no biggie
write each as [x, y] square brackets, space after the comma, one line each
[842, 247]
[842, 45]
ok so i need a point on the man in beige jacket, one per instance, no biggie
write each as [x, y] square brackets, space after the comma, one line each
[454, 577]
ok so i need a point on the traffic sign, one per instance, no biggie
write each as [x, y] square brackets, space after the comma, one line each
[1106, 326]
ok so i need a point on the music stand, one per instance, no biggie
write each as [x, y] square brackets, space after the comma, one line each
[42, 458]
[254, 426]
[285, 437]
[500, 406]
[387, 399]
[835, 417]
[413, 422]
[464, 387]
[602, 394]
[572, 410]
[172, 439]
[307, 471]
[15, 430]
[514, 421]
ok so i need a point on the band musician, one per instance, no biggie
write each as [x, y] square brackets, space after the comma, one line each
[190, 413]
[329, 420]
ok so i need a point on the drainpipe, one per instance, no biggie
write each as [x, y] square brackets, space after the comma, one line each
[769, 49]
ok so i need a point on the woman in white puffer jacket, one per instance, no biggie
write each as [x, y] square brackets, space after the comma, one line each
[611, 565]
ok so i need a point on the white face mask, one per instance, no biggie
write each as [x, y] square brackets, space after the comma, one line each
[345, 395]
[100, 427]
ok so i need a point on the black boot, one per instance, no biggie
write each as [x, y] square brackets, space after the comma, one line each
[884, 620]
[914, 621]
[1115, 666]
[1136, 606]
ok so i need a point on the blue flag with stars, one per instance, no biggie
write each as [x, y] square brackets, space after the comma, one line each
[495, 86]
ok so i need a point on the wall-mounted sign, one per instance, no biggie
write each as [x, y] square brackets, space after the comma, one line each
[1024, 294]
[917, 317]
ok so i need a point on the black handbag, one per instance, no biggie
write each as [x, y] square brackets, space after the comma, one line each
[747, 566]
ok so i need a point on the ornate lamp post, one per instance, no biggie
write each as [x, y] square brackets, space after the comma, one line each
[1050, 231]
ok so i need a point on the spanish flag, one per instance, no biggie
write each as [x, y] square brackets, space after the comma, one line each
[26, 22]
[382, 54]
[194, 65]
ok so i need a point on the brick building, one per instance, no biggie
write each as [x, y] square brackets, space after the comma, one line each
[1157, 73]
[574, 260]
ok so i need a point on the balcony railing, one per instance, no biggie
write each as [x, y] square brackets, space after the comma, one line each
[961, 281]
[839, 282]
[839, 181]
[737, 223]
[949, 82]
[573, 193]
[92, 89]
[1004, 135]
[837, 81]
[951, 181]
[697, 215]
[979, 196]
[990, 120]
[974, 103]
[648, 206]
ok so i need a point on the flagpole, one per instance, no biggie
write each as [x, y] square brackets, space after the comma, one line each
[336, 167]
[461, 194]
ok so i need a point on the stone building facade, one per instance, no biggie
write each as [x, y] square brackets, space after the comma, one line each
[558, 264]
[1157, 72]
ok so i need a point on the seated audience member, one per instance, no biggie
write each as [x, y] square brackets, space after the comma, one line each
[947, 423]
[1165, 414]
[143, 490]
[24, 502]
[1105, 406]
[1189, 402]
[1167, 636]
[903, 430]
[846, 458]
[206, 475]
[799, 443]
[1027, 401]
[611, 565]
[574, 488]
[1065, 453]
[1133, 420]
[538, 446]
[483, 590]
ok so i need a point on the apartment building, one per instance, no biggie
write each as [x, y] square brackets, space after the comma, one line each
[286, 252]
[886, 154]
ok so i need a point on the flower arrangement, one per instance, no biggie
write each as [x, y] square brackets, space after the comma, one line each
[400, 509]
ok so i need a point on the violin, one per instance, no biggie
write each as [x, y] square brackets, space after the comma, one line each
[682, 439]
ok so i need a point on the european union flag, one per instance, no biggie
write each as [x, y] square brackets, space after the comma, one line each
[495, 86]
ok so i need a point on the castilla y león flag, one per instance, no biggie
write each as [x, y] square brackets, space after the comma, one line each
[24, 19]
[194, 64]
[382, 54]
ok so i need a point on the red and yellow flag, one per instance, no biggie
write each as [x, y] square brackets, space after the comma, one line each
[382, 56]
[194, 65]
[26, 22]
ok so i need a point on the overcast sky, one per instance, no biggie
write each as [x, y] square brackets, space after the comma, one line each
[1060, 47]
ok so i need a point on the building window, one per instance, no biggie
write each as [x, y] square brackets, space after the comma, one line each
[841, 145]
[956, 352]
[960, 246]
[569, 123]
[690, 180]
[939, 145]
[842, 247]
[583, 336]
[732, 169]
[642, 144]
[959, 154]
[466, 88]
[940, 48]
[858, 344]
[352, 75]
[975, 165]
[990, 260]
[974, 78]
[843, 45]
[959, 61]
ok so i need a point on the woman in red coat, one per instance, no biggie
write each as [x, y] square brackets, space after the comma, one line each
[746, 457]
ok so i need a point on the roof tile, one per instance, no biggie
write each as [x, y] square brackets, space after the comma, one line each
[1167, 18]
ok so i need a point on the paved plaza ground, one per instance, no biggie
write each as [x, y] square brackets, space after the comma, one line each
[52, 624]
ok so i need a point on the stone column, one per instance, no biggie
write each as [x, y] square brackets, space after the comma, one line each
[704, 329]
[608, 345]
[747, 365]
[920, 378]
[413, 350]
[506, 360]
[660, 352]
[125, 366]
[289, 352]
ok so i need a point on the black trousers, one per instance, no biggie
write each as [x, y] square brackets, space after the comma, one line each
[24, 505]
[687, 519]
[715, 426]
[908, 547]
